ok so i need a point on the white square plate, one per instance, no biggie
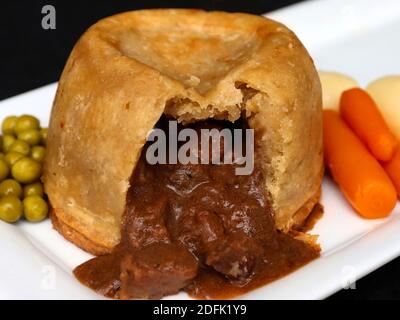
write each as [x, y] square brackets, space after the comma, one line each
[358, 37]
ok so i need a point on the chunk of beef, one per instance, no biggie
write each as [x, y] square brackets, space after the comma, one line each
[209, 226]
[235, 256]
[156, 270]
[194, 229]
[101, 274]
[145, 223]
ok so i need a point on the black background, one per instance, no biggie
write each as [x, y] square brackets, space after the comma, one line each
[31, 57]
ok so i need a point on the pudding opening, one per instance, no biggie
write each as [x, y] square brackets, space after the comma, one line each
[200, 228]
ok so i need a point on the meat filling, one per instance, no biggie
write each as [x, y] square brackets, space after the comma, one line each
[195, 227]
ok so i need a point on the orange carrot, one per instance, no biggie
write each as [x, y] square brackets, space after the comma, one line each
[363, 116]
[392, 168]
[359, 175]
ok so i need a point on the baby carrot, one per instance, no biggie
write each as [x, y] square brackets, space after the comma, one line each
[392, 168]
[359, 175]
[363, 116]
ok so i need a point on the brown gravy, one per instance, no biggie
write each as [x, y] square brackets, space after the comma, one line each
[198, 228]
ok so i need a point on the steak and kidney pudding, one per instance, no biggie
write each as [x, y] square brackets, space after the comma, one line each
[161, 228]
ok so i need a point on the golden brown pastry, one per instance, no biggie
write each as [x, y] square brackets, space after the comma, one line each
[128, 70]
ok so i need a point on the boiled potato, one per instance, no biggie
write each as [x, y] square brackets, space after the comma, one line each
[386, 93]
[333, 84]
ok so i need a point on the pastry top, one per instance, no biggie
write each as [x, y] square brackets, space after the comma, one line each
[129, 69]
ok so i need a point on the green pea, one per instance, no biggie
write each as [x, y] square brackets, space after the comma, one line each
[8, 125]
[26, 170]
[21, 147]
[11, 209]
[26, 122]
[33, 189]
[38, 153]
[8, 140]
[35, 208]
[10, 187]
[4, 170]
[43, 134]
[30, 136]
[12, 157]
